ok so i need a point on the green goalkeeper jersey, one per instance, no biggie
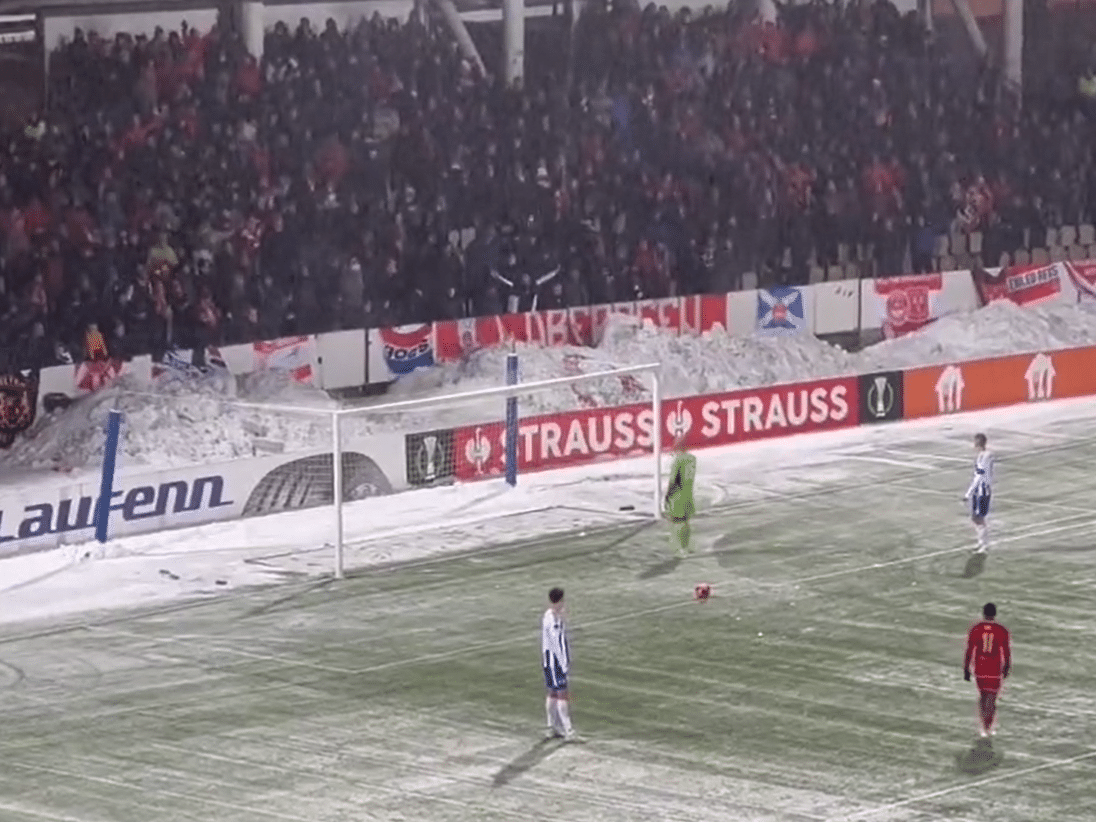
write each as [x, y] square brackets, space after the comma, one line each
[679, 494]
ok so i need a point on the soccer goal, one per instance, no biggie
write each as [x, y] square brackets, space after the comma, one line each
[595, 424]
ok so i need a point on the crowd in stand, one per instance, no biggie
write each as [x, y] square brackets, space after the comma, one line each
[178, 192]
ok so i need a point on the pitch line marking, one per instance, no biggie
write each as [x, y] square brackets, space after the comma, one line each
[965, 786]
[1011, 538]
[446, 779]
[922, 455]
[117, 783]
[1057, 506]
[907, 463]
[1050, 435]
[500, 643]
[53, 817]
[183, 640]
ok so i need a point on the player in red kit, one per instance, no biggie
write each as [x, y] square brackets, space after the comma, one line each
[989, 649]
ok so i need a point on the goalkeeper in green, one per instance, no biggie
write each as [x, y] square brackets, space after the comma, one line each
[679, 497]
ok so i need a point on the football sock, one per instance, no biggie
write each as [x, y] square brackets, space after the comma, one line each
[563, 707]
[981, 530]
[550, 710]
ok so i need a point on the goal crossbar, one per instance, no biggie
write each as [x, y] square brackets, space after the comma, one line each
[502, 391]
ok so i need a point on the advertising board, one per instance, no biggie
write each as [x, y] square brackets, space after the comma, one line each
[35, 516]
[604, 434]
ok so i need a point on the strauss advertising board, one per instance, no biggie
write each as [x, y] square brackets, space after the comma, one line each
[605, 434]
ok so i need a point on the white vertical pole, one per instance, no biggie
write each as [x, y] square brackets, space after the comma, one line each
[1014, 43]
[656, 404]
[513, 40]
[337, 490]
[252, 19]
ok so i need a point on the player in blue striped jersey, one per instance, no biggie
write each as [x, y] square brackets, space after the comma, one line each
[556, 658]
[980, 491]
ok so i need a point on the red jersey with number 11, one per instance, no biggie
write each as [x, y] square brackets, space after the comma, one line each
[988, 647]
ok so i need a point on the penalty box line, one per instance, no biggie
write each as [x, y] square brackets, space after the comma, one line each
[1057, 763]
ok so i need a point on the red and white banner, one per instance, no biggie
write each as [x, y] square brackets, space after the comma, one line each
[295, 356]
[606, 434]
[576, 326]
[1037, 284]
[1083, 277]
[905, 304]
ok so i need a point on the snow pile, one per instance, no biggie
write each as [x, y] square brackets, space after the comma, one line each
[178, 421]
[717, 361]
[1001, 328]
[202, 419]
[712, 362]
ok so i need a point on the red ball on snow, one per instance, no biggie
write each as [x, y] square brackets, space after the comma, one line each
[702, 591]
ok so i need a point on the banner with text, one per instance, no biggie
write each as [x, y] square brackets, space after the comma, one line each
[1071, 282]
[584, 326]
[43, 515]
[605, 434]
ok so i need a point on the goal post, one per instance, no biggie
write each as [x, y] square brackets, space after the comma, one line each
[490, 408]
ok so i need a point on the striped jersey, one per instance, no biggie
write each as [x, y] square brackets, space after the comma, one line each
[553, 641]
[982, 484]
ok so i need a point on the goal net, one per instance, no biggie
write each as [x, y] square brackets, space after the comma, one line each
[580, 448]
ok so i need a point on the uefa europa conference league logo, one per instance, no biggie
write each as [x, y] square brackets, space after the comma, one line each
[429, 457]
[881, 397]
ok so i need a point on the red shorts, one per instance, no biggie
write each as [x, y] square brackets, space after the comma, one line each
[988, 684]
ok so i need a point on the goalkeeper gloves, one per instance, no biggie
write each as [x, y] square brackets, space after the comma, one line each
[966, 674]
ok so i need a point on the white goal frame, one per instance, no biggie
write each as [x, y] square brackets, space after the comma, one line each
[502, 392]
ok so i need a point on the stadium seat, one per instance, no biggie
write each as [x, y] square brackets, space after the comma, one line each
[975, 242]
[1052, 237]
[1022, 257]
[943, 246]
[1078, 253]
[1058, 254]
[1086, 235]
[1040, 256]
[749, 281]
[835, 272]
[1067, 235]
[817, 275]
